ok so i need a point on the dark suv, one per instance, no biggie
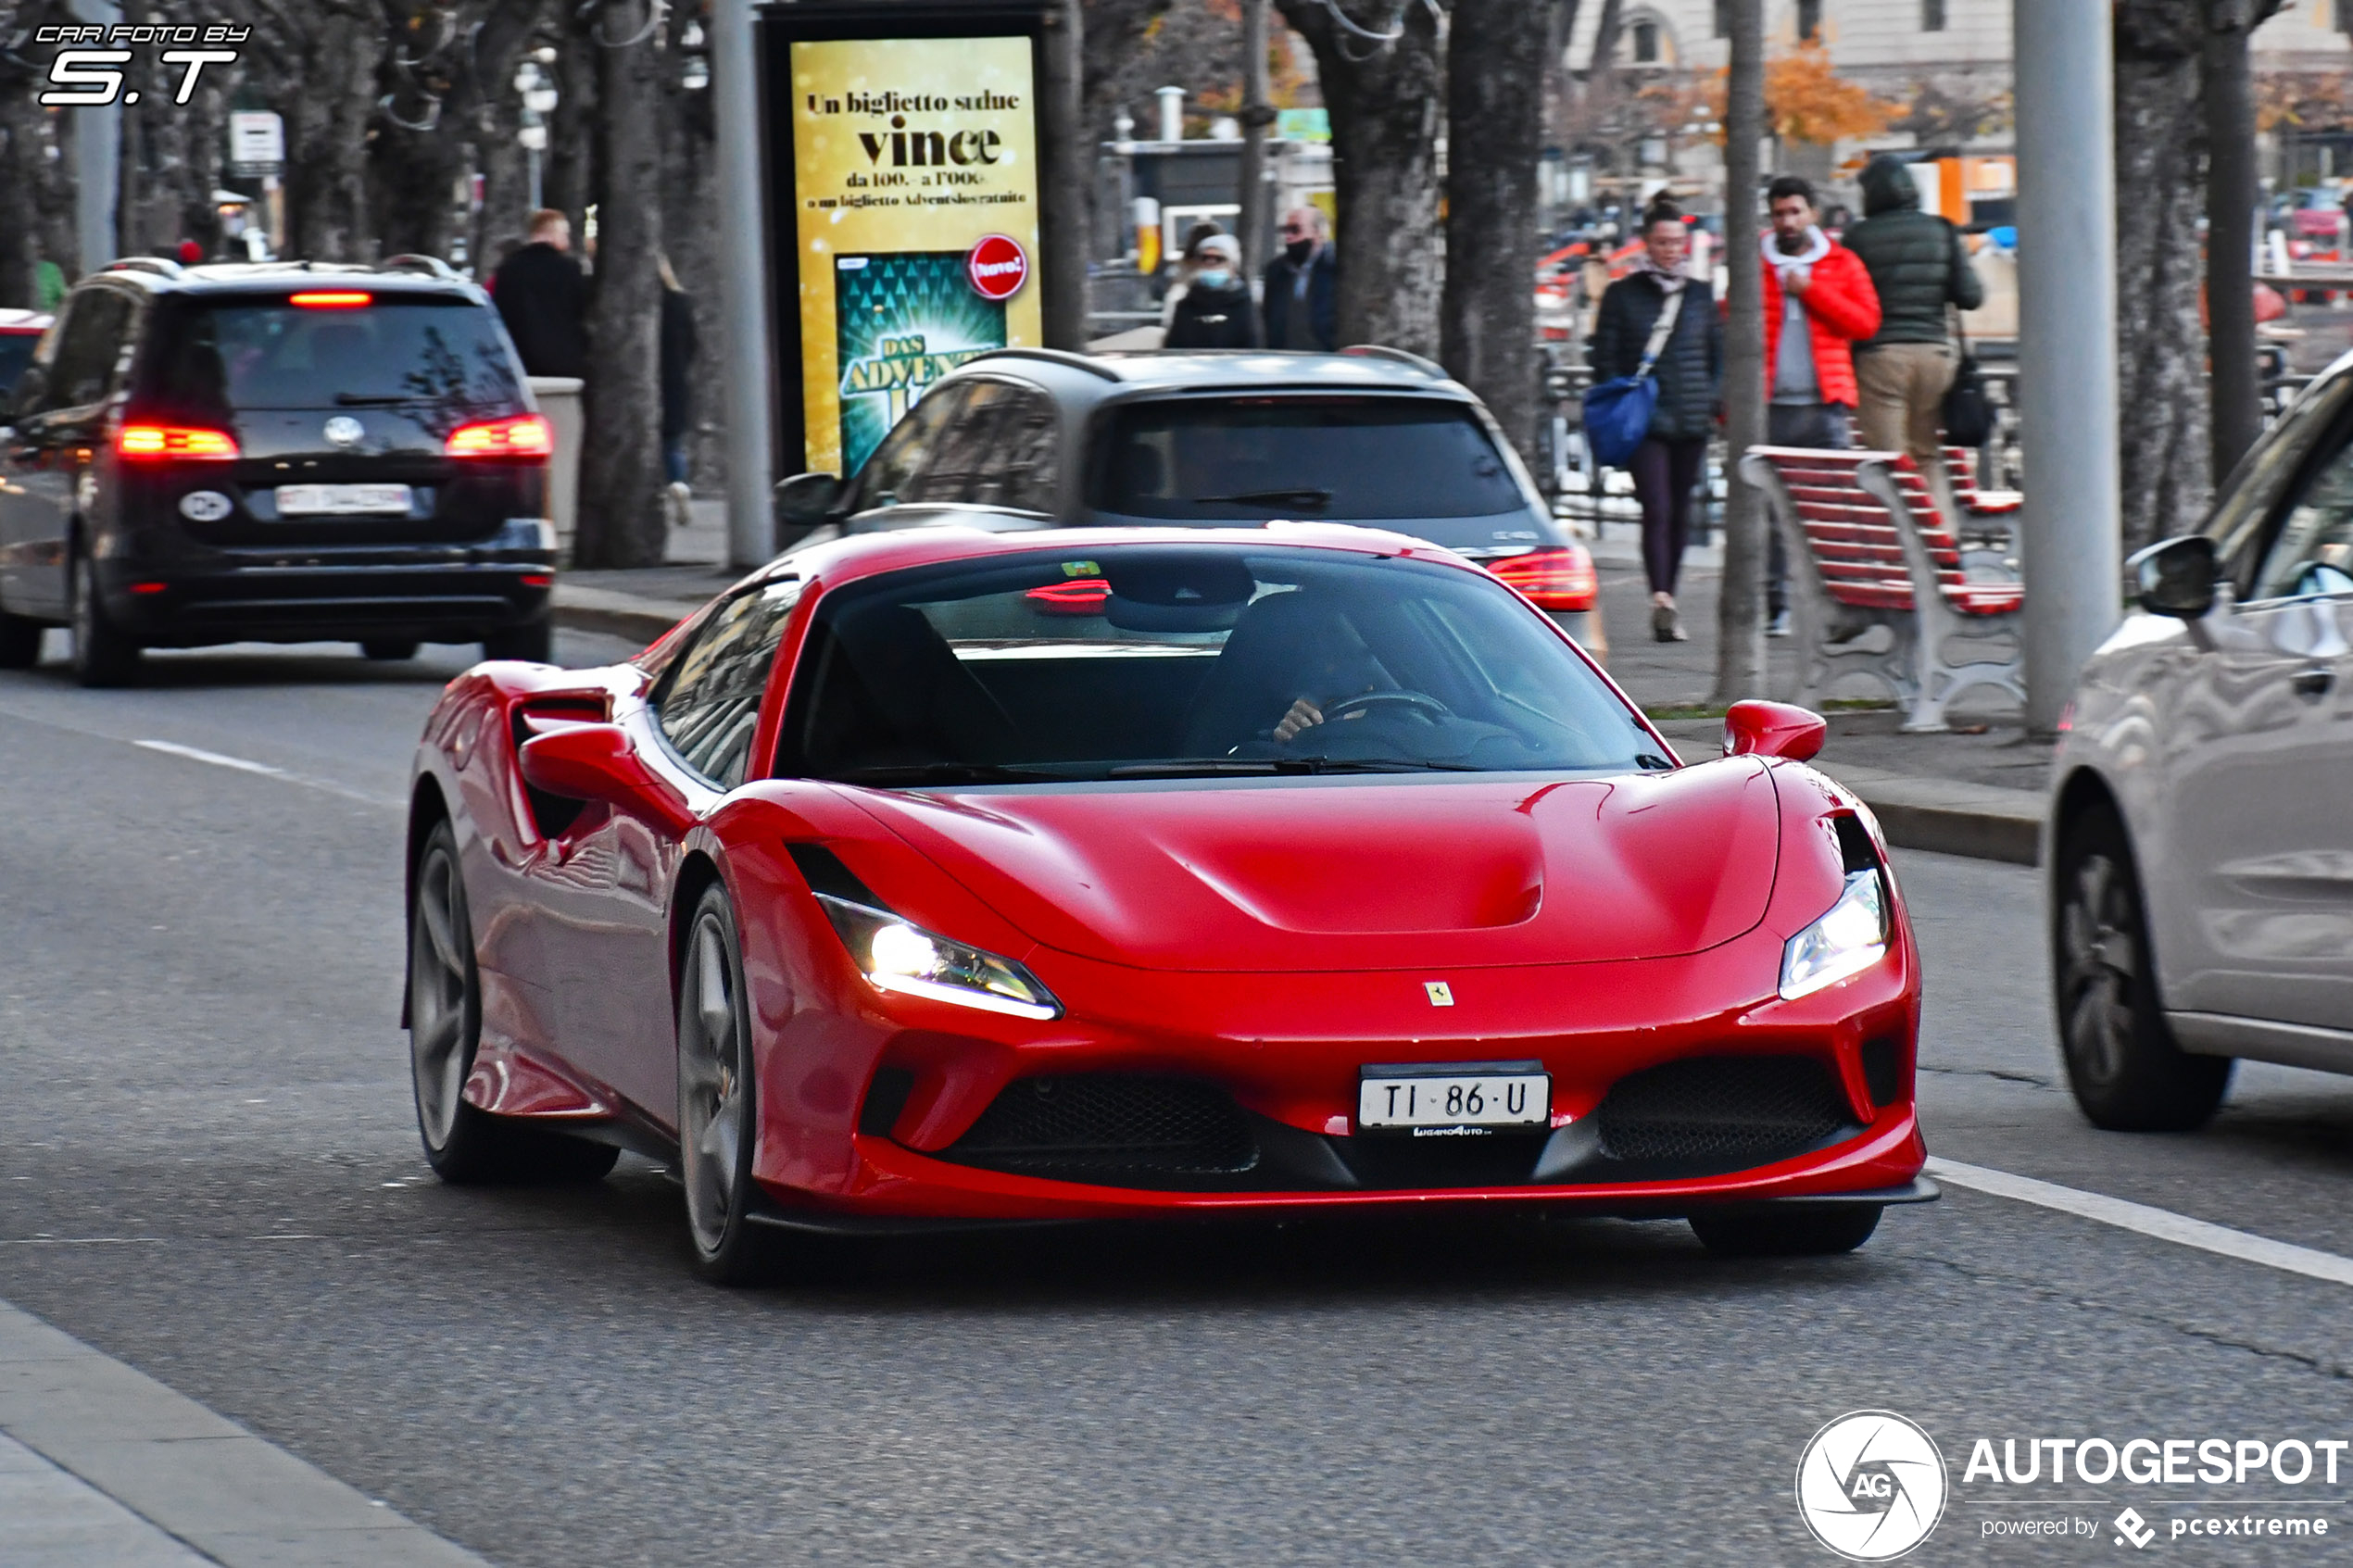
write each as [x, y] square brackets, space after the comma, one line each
[279, 453]
[1033, 438]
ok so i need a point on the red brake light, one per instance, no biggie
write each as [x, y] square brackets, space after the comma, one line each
[1557, 577]
[330, 299]
[173, 441]
[520, 435]
[1080, 595]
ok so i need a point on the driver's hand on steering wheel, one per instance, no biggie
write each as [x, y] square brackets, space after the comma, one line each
[1303, 715]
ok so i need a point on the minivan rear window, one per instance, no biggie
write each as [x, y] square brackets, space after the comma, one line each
[450, 355]
[1352, 459]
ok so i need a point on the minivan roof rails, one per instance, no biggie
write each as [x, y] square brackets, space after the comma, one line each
[432, 265]
[1052, 357]
[159, 265]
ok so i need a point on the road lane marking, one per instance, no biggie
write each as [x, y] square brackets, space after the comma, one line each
[190, 1473]
[2162, 1224]
[246, 765]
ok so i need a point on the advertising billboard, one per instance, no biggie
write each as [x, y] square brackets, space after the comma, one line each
[909, 202]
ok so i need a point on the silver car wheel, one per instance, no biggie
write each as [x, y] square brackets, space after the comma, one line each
[441, 1005]
[713, 1104]
[2097, 929]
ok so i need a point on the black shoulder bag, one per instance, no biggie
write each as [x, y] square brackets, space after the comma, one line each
[1968, 413]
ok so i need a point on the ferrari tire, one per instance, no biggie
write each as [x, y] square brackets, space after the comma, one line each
[19, 641]
[103, 655]
[718, 1100]
[533, 642]
[2123, 1063]
[465, 1145]
[1796, 1232]
[386, 650]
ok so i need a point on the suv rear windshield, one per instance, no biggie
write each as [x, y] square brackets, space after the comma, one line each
[1353, 459]
[242, 352]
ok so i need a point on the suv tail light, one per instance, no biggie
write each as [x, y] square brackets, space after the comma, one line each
[330, 299]
[173, 441]
[518, 435]
[1557, 577]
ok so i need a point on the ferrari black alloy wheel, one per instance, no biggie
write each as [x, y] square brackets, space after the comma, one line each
[465, 1144]
[718, 1099]
[102, 655]
[1798, 1232]
[2121, 1061]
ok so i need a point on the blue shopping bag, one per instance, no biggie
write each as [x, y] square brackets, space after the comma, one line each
[1617, 412]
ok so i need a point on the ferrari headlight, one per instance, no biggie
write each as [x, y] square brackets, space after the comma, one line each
[1847, 940]
[895, 956]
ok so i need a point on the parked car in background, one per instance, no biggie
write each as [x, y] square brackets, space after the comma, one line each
[2201, 891]
[2317, 214]
[20, 332]
[280, 453]
[1034, 438]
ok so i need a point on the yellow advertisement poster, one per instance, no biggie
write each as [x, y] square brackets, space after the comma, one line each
[915, 171]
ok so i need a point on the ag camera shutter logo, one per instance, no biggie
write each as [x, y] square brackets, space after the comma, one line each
[1871, 1486]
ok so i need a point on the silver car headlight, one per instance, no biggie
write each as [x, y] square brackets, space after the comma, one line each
[896, 956]
[1847, 940]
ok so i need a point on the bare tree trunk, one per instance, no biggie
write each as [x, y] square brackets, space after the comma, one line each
[567, 172]
[1067, 172]
[1494, 126]
[2166, 452]
[1384, 99]
[1739, 613]
[1256, 116]
[24, 150]
[690, 238]
[621, 519]
[330, 101]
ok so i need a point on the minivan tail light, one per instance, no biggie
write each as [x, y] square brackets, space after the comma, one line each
[174, 441]
[521, 435]
[1557, 577]
[330, 299]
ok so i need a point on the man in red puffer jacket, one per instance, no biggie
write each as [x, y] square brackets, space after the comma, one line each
[1818, 302]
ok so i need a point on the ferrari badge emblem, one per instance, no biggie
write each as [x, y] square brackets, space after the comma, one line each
[1440, 996]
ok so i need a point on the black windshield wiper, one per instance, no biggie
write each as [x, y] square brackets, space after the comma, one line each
[375, 400]
[941, 772]
[1306, 496]
[1382, 765]
[1211, 767]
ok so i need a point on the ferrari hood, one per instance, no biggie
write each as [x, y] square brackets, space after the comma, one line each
[1320, 875]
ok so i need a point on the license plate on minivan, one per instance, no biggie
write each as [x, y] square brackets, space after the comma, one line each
[332, 500]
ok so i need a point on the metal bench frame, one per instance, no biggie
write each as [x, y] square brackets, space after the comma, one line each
[1936, 651]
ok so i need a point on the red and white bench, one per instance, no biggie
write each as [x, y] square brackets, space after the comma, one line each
[1868, 548]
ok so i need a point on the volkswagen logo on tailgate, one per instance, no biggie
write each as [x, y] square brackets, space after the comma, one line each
[343, 431]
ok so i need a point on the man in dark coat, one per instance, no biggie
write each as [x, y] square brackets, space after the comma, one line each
[1688, 370]
[1302, 287]
[544, 299]
[1920, 270]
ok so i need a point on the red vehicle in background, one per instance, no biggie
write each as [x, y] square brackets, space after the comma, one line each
[1282, 868]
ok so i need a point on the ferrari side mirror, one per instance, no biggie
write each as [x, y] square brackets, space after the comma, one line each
[597, 762]
[2175, 577]
[1773, 729]
[805, 500]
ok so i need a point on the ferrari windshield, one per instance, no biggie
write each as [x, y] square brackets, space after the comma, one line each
[1177, 661]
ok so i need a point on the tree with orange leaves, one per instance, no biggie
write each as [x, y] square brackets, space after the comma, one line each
[1806, 100]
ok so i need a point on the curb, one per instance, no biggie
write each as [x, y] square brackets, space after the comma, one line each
[1946, 830]
[612, 614]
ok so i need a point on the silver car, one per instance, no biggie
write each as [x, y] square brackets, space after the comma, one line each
[2200, 835]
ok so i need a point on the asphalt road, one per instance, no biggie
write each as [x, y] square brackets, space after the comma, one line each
[209, 1169]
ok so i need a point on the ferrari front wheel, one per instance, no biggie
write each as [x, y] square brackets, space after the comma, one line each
[1798, 1232]
[718, 1099]
[465, 1144]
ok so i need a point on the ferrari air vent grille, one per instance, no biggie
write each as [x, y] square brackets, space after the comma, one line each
[1728, 1113]
[1108, 1126]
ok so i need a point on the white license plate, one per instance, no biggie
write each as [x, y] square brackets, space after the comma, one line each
[332, 499]
[1506, 1094]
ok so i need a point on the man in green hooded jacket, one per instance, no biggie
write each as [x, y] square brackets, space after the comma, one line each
[1918, 265]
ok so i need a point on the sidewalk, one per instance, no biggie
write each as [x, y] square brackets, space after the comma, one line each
[1978, 794]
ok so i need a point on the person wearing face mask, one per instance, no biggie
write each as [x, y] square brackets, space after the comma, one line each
[1302, 287]
[1215, 310]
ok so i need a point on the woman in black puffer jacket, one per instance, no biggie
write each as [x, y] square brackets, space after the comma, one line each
[1689, 370]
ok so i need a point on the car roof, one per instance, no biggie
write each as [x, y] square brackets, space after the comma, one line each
[418, 276]
[866, 554]
[24, 321]
[1084, 380]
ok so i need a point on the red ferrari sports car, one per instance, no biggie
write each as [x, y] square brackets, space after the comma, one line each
[955, 876]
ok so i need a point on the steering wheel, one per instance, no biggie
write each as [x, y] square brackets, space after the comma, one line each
[1419, 701]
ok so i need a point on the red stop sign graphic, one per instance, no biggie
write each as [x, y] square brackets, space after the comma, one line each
[997, 267]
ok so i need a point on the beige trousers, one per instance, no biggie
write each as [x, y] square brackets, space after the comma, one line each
[1903, 387]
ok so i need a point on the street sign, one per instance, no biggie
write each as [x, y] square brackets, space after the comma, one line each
[257, 142]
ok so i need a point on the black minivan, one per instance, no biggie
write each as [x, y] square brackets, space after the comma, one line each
[279, 452]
